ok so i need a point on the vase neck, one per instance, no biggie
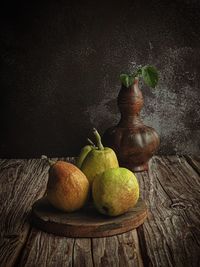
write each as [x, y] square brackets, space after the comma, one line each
[130, 102]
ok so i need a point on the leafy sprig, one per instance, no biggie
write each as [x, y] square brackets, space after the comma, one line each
[148, 73]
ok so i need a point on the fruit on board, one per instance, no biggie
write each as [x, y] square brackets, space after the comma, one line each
[67, 187]
[115, 191]
[98, 160]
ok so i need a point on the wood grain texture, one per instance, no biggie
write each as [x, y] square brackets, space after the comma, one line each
[120, 250]
[44, 249]
[21, 183]
[194, 162]
[82, 255]
[172, 231]
[86, 222]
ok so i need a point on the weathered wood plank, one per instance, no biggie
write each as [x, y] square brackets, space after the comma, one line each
[172, 231]
[105, 251]
[21, 183]
[44, 249]
[82, 254]
[116, 251]
[194, 162]
[49, 250]
[128, 250]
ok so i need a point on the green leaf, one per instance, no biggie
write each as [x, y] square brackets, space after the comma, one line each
[138, 73]
[150, 76]
[124, 78]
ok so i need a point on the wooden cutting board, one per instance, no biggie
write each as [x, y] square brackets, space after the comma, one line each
[86, 222]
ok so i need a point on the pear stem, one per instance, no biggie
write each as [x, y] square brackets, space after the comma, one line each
[49, 161]
[98, 139]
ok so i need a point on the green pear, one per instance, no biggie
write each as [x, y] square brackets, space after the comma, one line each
[83, 154]
[115, 191]
[98, 159]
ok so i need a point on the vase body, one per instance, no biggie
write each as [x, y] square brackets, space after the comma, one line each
[133, 142]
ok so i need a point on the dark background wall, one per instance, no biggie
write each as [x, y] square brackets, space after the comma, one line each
[60, 66]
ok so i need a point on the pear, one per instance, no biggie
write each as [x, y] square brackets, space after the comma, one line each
[67, 187]
[83, 154]
[115, 191]
[98, 159]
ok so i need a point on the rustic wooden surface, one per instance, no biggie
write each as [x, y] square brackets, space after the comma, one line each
[169, 237]
[86, 222]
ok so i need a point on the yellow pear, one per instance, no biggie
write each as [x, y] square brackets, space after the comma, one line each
[98, 159]
[115, 191]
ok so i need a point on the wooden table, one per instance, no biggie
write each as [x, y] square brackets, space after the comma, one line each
[169, 237]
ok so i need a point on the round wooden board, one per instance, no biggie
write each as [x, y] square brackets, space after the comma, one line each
[86, 222]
